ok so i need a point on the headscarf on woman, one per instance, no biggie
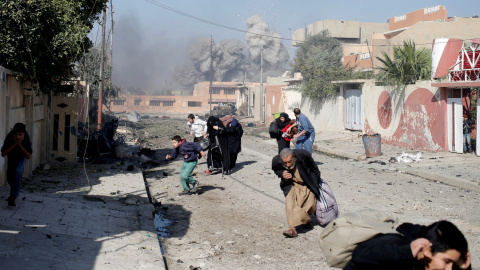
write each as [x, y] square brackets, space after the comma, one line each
[218, 157]
[211, 122]
[281, 141]
[280, 124]
[235, 133]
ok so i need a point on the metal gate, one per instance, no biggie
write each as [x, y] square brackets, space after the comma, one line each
[353, 109]
[455, 120]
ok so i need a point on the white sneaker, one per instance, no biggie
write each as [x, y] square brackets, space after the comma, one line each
[195, 186]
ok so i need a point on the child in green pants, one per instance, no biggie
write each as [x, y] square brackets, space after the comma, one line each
[189, 151]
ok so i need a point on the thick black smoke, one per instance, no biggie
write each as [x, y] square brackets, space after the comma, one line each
[144, 59]
[234, 60]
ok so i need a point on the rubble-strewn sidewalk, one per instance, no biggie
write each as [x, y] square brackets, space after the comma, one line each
[60, 222]
[454, 169]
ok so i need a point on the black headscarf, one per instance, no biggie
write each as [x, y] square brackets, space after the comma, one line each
[211, 122]
[280, 124]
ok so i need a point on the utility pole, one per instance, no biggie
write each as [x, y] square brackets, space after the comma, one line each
[100, 87]
[111, 46]
[262, 106]
[211, 73]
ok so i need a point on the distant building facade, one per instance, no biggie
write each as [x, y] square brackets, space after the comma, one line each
[221, 93]
[362, 42]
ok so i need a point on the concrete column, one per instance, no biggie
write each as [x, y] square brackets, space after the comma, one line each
[341, 108]
[5, 103]
[29, 120]
[478, 128]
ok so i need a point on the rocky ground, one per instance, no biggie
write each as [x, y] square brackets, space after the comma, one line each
[236, 221]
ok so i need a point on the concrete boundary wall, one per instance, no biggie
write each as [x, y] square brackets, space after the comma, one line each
[411, 116]
[17, 104]
[324, 116]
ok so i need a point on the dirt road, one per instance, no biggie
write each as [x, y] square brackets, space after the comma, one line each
[236, 221]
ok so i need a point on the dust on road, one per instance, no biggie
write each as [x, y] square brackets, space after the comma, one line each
[236, 221]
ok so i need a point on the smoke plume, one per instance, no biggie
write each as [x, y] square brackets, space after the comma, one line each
[144, 60]
[233, 60]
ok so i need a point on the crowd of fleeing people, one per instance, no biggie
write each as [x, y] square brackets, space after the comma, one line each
[223, 142]
[440, 245]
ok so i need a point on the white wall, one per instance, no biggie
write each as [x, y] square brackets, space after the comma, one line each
[16, 105]
[3, 120]
[324, 116]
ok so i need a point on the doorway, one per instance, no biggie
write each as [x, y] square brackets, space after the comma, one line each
[455, 120]
[353, 109]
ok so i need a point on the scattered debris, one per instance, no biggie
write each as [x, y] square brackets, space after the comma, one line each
[144, 159]
[408, 158]
[133, 117]
[377, 161]
[94, 198]
[45, 166]
[51, 181]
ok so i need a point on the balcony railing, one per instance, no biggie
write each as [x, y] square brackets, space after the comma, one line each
[465, 75]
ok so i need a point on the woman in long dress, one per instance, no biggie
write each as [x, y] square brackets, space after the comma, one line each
[283, 123]
[235, 133]
[218, 153]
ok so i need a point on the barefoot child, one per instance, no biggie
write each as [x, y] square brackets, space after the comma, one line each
[189, 151]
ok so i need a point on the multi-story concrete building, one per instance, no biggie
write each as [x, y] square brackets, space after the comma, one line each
[349, 32]
[220, 93]
[421, 26]
[362, 42]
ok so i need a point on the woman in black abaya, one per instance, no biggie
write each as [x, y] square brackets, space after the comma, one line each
[235, 132]
[218, 152]
[283, 122]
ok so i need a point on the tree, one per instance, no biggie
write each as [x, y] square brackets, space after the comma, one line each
[42, 39]
[407, 66]
[89, 69]
[319, 61]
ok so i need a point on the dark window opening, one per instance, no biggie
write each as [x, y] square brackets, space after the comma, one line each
[194, 104]
[215, 90]
[56, 118]
[155, 102]
[66, 144]
[119, 102]
[229, 91]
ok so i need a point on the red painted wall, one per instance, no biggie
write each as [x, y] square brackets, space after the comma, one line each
[423, 122]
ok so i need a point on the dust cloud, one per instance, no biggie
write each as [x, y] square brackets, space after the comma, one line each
[234, 60]
[144, 59]
[151, 62]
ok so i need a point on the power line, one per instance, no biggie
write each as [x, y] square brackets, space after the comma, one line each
[263, 35]
[210, 22]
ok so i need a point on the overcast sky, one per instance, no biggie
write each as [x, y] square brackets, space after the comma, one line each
[149, 40]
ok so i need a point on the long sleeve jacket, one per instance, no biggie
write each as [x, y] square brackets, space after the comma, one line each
[188, 150]
[307, 168]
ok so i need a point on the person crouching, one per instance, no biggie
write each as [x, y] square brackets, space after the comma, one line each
[300, 177]
[189, 151]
